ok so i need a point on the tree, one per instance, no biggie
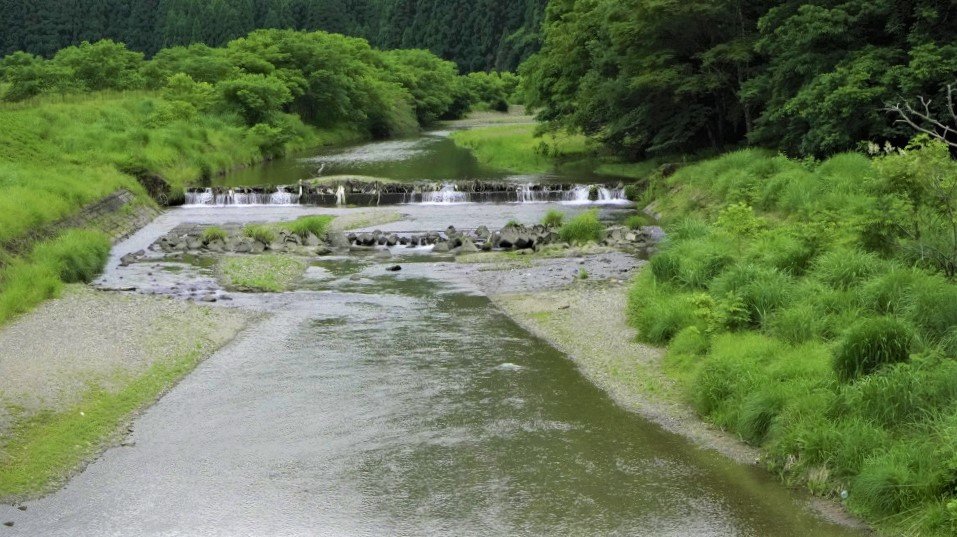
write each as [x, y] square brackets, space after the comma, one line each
[257, 97]
[102, 65]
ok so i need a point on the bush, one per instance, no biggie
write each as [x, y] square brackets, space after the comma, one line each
[762, 290]
[797, 324]
[871, 344]
[932, 307]
[658, 315]
[897, 480]
[782, 251]
[666, 267]
[213, 234]
[904, 393]
[583, 229]
[553, 219]
[889, 293]
[701, 260]
[263, 234]
[315, 225]
[844, 268]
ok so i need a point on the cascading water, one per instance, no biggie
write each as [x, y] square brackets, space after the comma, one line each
[210, 198]
[447, 194]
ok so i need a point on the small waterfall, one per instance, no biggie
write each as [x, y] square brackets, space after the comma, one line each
[528, 193]
[210, 198]
[581, 194]
[447, 194]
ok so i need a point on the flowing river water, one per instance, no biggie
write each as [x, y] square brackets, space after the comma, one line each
[369, 404]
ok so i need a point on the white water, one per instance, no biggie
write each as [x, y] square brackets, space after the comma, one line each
[206, 198]
[448, 194]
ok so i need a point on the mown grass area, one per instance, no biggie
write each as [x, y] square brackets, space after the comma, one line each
[47, 448]
[269, 273]
[516, 148]
[798, 316]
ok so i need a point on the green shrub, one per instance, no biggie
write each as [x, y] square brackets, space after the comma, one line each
[871, 344]
[553, 219]
[689, 228]
[690, 341]
[782, 251]
[932, 307]
[906, 475]
[315, 225]
[213, 234]
[797, 324]
[700, 260]
[261, 233]
[843, 268]
[76, 255]
[666, 267]
[657, 314]
[889, 293]
[756, 414]
[583, 229]
[904, 393]
[762, 290]
[24, 285]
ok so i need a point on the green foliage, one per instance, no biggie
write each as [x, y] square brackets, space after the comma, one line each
[315, 225]
[257, 97]
[516, 148]
[74, 256]
[553, 219]
[920, 187]
[784, 328]
[490, 34]
[583, 229]
[638, 221]
[653, 77]
[213, 234]
[871, 344]
[262, 233]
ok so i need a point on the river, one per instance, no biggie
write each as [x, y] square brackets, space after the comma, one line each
[367, 403]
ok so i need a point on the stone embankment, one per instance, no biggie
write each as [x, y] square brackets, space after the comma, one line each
[118, 215]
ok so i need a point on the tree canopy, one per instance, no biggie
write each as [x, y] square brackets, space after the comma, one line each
[805, 77]
[482, 35]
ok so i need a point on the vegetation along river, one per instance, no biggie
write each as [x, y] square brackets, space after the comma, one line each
[371, 403]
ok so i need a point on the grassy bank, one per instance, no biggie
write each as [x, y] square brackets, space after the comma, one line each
[798, 315]
[515, 148]
[58, 154]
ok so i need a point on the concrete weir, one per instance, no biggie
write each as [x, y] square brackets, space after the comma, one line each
[372, 193]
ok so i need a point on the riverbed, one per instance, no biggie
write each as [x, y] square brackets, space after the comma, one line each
[370, 402]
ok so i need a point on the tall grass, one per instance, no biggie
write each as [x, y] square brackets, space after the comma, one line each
[315, 225]
[838, 361]
[75, 256]
[583, 229]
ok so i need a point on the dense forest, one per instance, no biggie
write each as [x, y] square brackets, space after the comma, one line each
[807, 78]
[484, 35]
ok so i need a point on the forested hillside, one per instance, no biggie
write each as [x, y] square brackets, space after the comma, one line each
[483, 35]
[805, 77]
